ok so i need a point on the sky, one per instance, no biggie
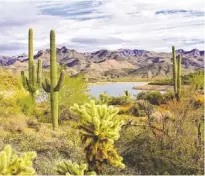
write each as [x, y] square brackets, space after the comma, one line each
[91, 25]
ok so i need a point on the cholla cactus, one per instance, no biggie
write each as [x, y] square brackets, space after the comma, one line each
[66, 167]
[99, 127]
[12, 164]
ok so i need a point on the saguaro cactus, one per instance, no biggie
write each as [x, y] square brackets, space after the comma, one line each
[179, 60]
[32, 83]
[53, 86]
[176, 73]
[174, 69]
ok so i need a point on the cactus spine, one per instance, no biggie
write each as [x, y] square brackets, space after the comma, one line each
[176, 73]
[32, 83]
[179, 60]
[54, 85]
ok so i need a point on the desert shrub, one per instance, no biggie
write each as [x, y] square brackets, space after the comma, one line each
[125, 109]
[25, 102]
[174, 145]
[194, 78]
[141, 96]
[154, 97]
[8, 82]
[121, 100]
[8, 107]
[161, 82]
[137, 111]
[197, 81]
[66, 115]
[104, 98]
[74, 90]
[168, 96]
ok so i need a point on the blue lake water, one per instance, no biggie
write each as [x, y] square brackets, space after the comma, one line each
[115, 89]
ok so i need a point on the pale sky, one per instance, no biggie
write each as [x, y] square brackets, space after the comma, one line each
[90, 25]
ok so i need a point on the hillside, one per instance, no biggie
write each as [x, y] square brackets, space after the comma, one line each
[113, 64]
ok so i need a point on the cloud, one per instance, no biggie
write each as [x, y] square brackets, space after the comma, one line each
[89, 25]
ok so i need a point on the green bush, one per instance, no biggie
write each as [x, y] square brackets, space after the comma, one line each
[153, 97]
[74, 90]
[8, 82]
[121, 100]
[8, 106]
[141, 96]
[162, 82]
[137, 111]
[168, 96]
[25, 102]
[104, 98]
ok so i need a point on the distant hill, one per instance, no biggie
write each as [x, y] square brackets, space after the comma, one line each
[111, 64]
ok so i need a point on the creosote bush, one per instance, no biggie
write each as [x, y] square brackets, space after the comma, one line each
[104, 98]
[156, 97]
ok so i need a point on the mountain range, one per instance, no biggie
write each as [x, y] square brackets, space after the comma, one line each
[113, 64]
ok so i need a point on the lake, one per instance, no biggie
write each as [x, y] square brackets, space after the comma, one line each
[115, 88]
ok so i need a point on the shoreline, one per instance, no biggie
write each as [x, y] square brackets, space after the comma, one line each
[113, 82]
[154, 87]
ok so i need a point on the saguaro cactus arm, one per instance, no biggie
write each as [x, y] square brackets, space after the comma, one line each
[179, 60]
[60, 81]
[39, 70]
[174, 69]
[30, 53]
[46, 85]
[24, 80]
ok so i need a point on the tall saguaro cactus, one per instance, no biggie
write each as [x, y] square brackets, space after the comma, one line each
[176, 73]
[33, 82]
[53, 86]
